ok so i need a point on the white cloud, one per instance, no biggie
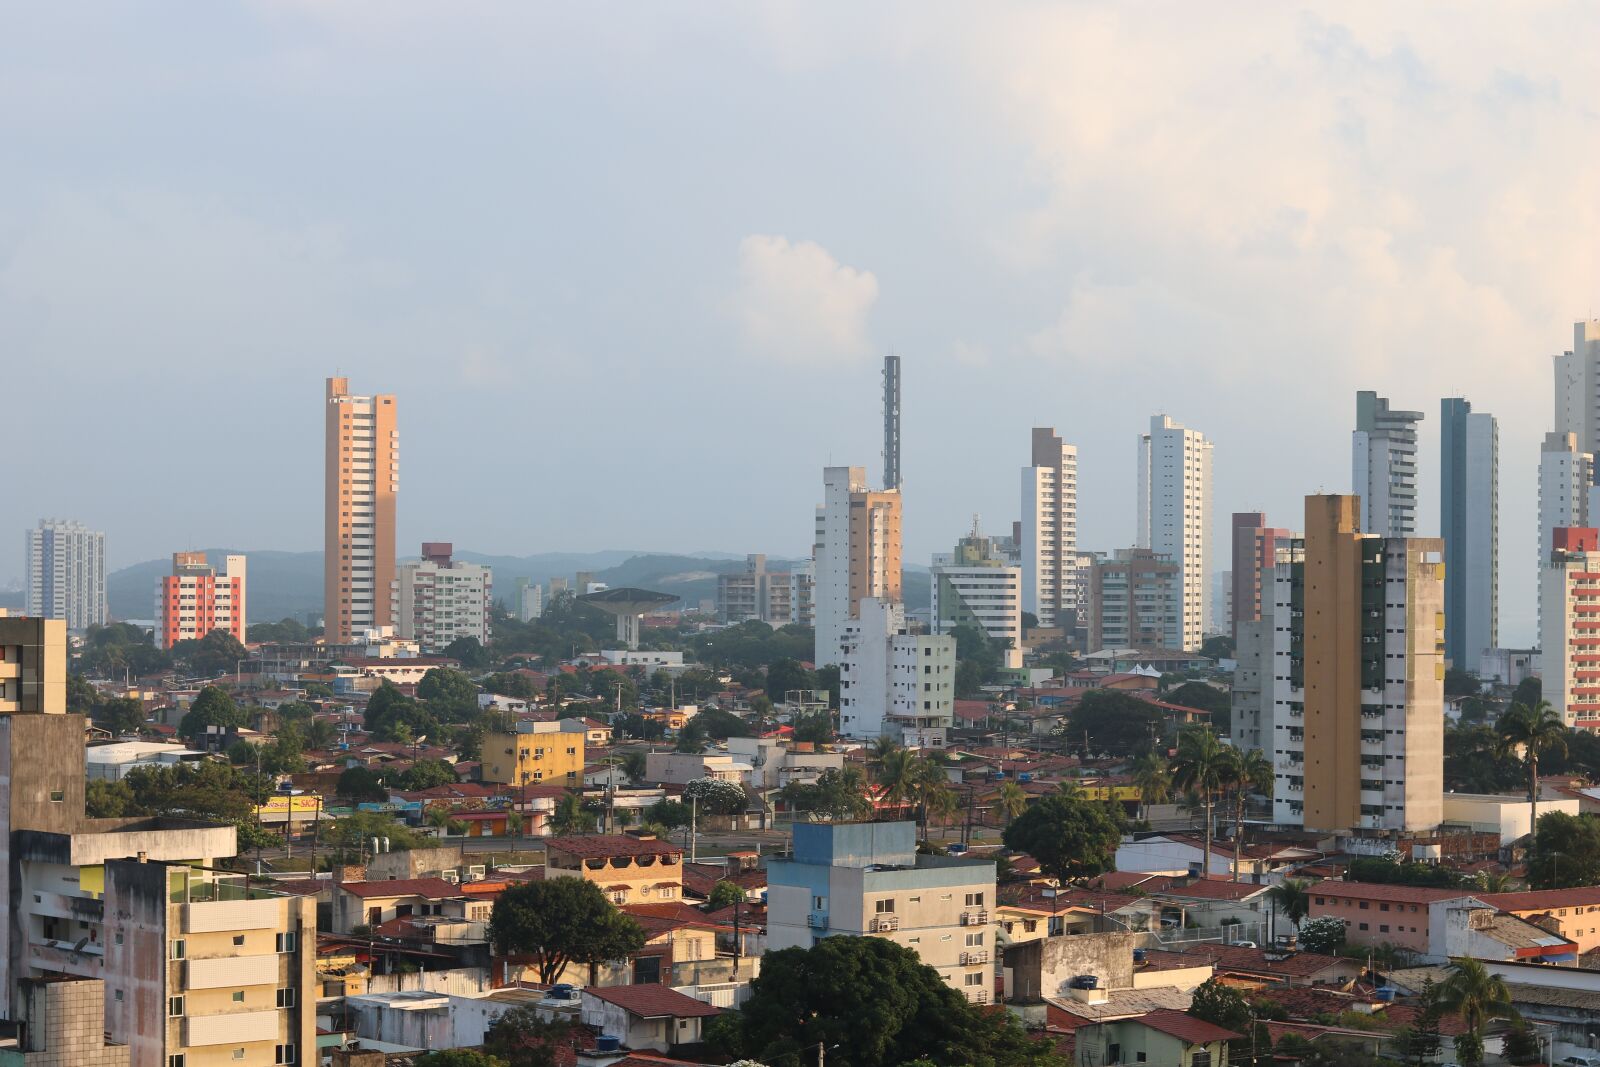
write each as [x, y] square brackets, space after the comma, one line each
[796, 303]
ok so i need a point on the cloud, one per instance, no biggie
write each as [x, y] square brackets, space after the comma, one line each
[796, 303]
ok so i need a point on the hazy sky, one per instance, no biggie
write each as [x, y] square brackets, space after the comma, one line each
[631, 267]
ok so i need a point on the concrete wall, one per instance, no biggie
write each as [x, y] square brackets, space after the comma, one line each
[140, 975]
[1107, 956]
[65, 1023]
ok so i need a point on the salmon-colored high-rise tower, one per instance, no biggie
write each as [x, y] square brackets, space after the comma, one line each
[363, 478]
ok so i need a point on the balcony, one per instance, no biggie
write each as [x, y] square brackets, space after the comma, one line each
[817, 920]
[884, 924]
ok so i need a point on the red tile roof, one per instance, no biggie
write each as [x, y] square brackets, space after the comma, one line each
[1186, 1027]
[1409, 894]
[652, 1001]
[596, 846]
[432, 888]
[1544, 899]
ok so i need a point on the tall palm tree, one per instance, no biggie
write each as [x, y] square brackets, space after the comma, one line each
[1535, 731]
[1476, 994]
[1246, 771]
[880, 749]
[1201, 767]
[1291, 900]
[1013, 801]
[1494, 881]
[1153, 778]
[898, 774]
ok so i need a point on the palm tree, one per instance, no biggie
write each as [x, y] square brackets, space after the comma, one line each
[898, 775]
[1292, 900]
[1013, 801]
[1535, 731]
[1245, 771]
[1494, 881]
[1201, 767]
[880, 749]
[569, 816]
[936, 799]
[1476, 994]
[1154, 780]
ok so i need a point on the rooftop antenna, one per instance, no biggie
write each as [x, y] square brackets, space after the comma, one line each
[891, 422]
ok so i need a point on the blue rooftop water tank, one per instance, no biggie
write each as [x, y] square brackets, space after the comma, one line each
[606, 1043]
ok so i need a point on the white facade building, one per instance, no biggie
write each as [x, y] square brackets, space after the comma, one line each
[893, 682]
[1384, 466]
[66, 573]
[1566, 495]
[1175, 512]
[1577, 387]
[438, 600]
[1569, 638]
[857, 554]
[1049, 543]
[530, 599]
[975, 586]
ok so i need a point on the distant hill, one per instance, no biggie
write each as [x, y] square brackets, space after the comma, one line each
[289, 584]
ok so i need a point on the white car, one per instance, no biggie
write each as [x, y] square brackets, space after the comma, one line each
[1581, 1060]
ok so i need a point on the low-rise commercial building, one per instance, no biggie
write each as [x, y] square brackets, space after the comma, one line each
[867, 879]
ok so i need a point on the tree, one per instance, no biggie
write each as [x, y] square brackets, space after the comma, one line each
[670, 814]
[1012, 801]
[634, 763]
[871, 1003]
[717, 797]
[1201, 768]
[1566, 851]
[1533, 730]
[1202, 697]
[1291, 900]
[1221, 1005]
[815, 729]
[107, 800]
[787, 675]
[1522, 1045]
[218, 652]
[449, 694]
[212, 707]
[1246, 771]
[1421, 1042]
[692, 737]
[459, 1057]
[1477, 995]
[124, 715]
[467, 651]
[570, 816]
[354, 833]
[391, 715]
[82, 698]
[525, 1039]
[836, 795]
[427, 773]
[1116, 722]
[721, 724]
[1529, 691]
[562, 921]
[1218, 646]
[1324, 934]
[361, 783]
[724, 894]
[1459, 682]
[1153, 778]
[898, 774]
[1070, 837]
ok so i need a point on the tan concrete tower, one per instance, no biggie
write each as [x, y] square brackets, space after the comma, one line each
[363, 479]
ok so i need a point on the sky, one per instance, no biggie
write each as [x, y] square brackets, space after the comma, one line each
[631, 268]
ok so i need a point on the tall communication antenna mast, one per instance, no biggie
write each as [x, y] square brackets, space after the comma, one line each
[891, 422]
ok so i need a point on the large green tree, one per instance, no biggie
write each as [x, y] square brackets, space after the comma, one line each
[217, 653]
[211, 707]
[390, 715]
[1202, 697]
[449, 694]
[1531, 731]
[124, 715]
[1566, 851]
[1477, 995]
[787, 675]
[1116, 722]
[1202, 768]
[1069, 836]
[562, 921]
[361, 783]
[870, 1003]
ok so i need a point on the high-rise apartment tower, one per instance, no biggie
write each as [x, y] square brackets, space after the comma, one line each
[857, 554]
[1175, 513]
[1049, 530]
[1255, 551]
[1384, 466]
[1469, 520]
[891, 422]
[363, 479]
[66, 573]
[1566, 495]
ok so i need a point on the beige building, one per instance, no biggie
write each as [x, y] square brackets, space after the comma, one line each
[867, 879]
[856, 553]
[33, 666]
[538, 753]
[438, 599]
[628, 868]
[362, 481]
[1358, 721]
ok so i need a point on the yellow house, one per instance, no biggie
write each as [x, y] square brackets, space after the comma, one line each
[628, 868]
[538, 753]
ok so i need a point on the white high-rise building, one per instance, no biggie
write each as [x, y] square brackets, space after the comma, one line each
[1469, 520]
[66, 573]
[1566, 495]
[1175, 512]
[976, 586]
[1049, 542]
[895, 683]
[1384, 466]
[1568, 640]
[1577, 387]
[437, 600]
[857, 554]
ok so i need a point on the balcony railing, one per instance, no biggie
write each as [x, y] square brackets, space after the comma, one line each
[970, 958]
[883, 924]
[817, 920]
[975, 917]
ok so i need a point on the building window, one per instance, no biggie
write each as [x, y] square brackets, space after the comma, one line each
[285, 1054]
[178, 948]
[174, 1006]
[286, 998]
[118, 995]
[286, 941]
[975, 978]
[57, 796]
[974, 940]
[885, 906]
[974, 900]
[175, 1060]
[238, 1053]
[238, 996]
[1363, 926]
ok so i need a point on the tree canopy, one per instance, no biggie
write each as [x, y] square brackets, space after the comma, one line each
[1069, 836]
[872, 1003]
[1116, 722]
[212, 707]
[1566, 851]
[562, 921]
[716, 797]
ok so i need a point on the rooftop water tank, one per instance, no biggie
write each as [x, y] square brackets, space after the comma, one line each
[606, 1043]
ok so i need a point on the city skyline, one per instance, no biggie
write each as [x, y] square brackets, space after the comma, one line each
[1307, 251]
